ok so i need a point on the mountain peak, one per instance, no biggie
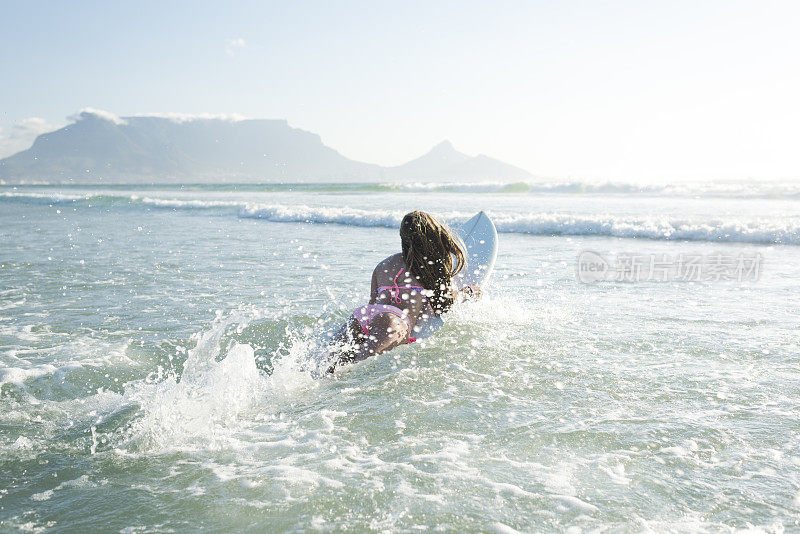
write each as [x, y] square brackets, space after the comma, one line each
[444, 162]
[444, 146]
[147, 148]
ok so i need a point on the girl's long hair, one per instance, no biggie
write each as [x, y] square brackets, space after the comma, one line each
[434, 254]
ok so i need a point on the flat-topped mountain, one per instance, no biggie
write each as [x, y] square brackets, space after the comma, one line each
[99, 147]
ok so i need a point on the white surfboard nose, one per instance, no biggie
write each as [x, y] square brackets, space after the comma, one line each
[480, 238]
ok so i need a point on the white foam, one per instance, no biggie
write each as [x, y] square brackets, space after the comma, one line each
[337, 215]
[185, 204]
[574, 502]
[18, 375]
[76, 354]
[54, 198]
[502, 528]
[43, 496]
[196, 410]
[22, 444]
[782, 230]
[205, 406]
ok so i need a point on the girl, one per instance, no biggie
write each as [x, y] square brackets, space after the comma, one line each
[405, 287]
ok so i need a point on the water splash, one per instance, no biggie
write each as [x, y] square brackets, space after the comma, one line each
[220, 389]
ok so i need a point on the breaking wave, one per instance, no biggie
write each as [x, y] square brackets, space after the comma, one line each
[783, 231]
[742, 231]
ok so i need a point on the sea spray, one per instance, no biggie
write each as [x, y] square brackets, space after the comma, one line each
[205, 405]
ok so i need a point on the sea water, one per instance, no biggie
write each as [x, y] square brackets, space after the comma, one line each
[160, 349]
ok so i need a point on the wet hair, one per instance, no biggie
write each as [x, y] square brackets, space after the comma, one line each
[434, 254]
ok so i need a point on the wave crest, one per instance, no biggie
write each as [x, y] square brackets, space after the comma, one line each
[783, 231]
[741, 231]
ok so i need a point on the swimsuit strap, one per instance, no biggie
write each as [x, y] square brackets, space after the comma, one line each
[395, 289]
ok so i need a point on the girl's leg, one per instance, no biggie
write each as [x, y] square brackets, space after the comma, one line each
[346, 343]
[348, 332]
[386, 332]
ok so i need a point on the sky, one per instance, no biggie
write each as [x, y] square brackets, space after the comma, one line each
[615, 90]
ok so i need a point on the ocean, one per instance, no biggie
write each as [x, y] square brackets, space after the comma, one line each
[634, 366]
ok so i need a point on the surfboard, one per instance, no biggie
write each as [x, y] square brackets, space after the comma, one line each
[480, 238]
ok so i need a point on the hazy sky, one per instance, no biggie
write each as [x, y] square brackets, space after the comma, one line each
[629, 90]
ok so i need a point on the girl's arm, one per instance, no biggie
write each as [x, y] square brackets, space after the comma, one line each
[472, 292]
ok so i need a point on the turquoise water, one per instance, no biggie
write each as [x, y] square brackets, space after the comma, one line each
[159, 348]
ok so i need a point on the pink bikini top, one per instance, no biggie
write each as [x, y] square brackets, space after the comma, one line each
[395, 289]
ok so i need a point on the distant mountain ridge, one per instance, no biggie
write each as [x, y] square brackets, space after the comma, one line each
[444, 162]
[98, 147]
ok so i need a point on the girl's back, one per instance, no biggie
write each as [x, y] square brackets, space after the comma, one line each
[394, 284]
